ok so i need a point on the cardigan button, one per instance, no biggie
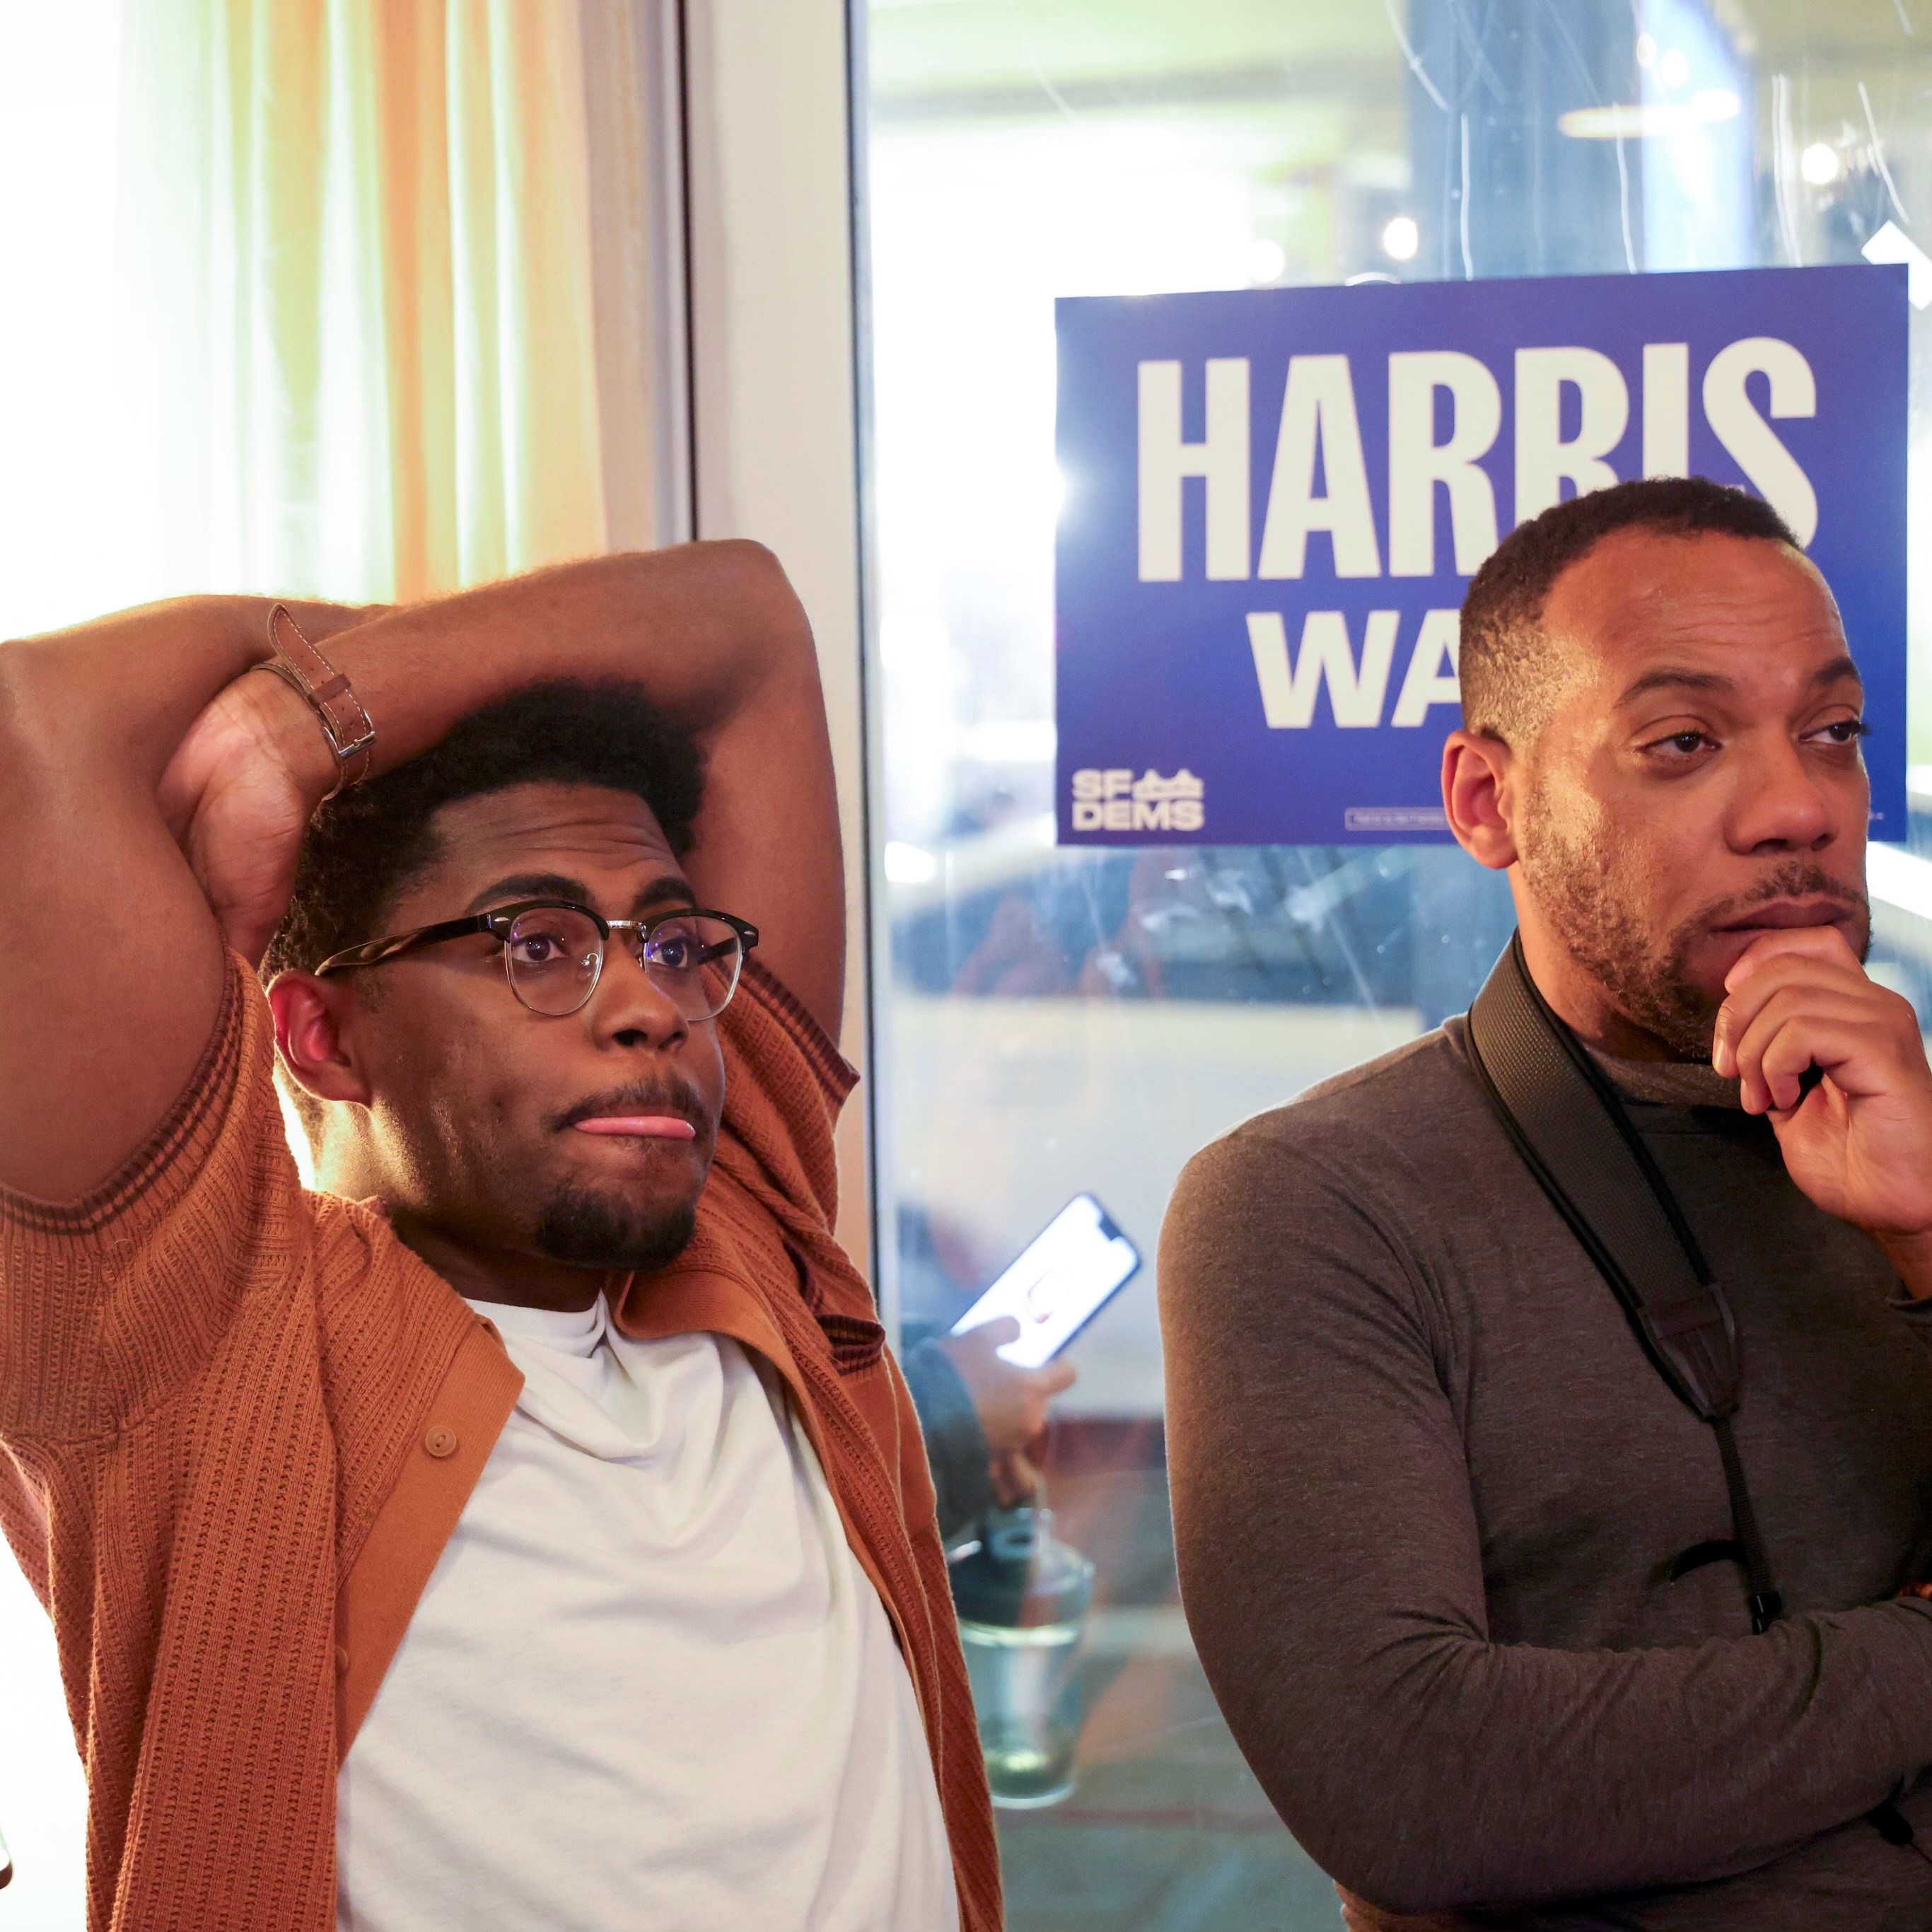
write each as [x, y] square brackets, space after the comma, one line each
[342, 1660]
[440, 1442]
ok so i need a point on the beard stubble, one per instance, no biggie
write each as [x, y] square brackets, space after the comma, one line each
[1592, 893]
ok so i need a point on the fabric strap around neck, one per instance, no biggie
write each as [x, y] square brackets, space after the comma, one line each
[1567, 1122]
[1571, 1129]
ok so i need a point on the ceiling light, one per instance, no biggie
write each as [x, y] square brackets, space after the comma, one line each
[1652, 120]
[1819, 164]
[1673, 70]
[1401, 238]
[1266, 261]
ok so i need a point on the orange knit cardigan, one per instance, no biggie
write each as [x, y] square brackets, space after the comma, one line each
[239, 1422]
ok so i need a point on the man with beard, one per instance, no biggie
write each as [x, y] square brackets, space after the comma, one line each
[1458, 1562]
[529, 1528]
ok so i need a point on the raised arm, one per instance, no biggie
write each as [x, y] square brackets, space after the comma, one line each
[1332, 1572]
[715, 634]
[111, 973]
[109, 1008]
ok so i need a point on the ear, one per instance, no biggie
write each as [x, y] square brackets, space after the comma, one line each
[1476, 775]
[309, 1019]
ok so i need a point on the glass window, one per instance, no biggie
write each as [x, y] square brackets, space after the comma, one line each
[1061, 1021]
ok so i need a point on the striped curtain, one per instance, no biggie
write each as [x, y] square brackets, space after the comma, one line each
[382, 327]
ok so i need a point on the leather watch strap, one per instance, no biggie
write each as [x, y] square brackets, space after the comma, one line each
[328, 693]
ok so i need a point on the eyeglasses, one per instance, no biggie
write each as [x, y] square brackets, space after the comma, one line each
[554, 952]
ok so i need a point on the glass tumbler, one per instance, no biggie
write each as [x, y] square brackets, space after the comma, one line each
[1022, 1597]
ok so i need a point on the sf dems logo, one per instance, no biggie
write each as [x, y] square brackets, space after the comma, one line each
[1117, 801]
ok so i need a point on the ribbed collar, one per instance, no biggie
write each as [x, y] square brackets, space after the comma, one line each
[1670, 1083]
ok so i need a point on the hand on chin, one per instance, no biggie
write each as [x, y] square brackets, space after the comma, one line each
[1857, 1136]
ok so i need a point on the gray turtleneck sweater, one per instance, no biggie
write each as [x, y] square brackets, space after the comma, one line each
[1427, 1488]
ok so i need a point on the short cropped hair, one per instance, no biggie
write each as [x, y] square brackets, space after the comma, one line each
[1509, 672]
[366, 845]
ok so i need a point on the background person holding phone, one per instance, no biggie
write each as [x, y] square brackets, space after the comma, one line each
[980, 1413]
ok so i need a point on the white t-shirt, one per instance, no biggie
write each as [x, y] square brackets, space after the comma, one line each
[649, 1687]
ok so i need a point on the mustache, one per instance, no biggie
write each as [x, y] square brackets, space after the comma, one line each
[674, 1097]
[1795, 879]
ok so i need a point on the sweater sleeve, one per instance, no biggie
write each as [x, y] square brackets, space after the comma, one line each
[955, 1444]
[1331, 1569]
[111, 1304]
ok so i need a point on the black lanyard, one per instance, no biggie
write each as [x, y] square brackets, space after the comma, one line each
[1567, 1122]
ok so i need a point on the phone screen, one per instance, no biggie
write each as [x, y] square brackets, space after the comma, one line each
[1075, 1262]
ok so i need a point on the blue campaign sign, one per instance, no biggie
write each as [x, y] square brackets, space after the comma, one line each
[1276, 499]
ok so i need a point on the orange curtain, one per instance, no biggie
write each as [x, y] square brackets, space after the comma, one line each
[370, 349]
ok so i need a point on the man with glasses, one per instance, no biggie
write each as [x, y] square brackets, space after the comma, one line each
[529, 1527]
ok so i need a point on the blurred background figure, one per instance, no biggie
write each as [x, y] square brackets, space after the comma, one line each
[980, 1414]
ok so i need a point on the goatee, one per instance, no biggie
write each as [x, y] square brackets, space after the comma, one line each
[584, 1229]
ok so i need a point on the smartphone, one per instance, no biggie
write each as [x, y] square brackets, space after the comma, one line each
[1075, 1265]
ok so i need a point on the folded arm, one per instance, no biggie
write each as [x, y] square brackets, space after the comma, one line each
[1330, 1563]
[128, 747]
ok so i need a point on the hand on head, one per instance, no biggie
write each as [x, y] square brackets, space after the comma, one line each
[238, 795]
